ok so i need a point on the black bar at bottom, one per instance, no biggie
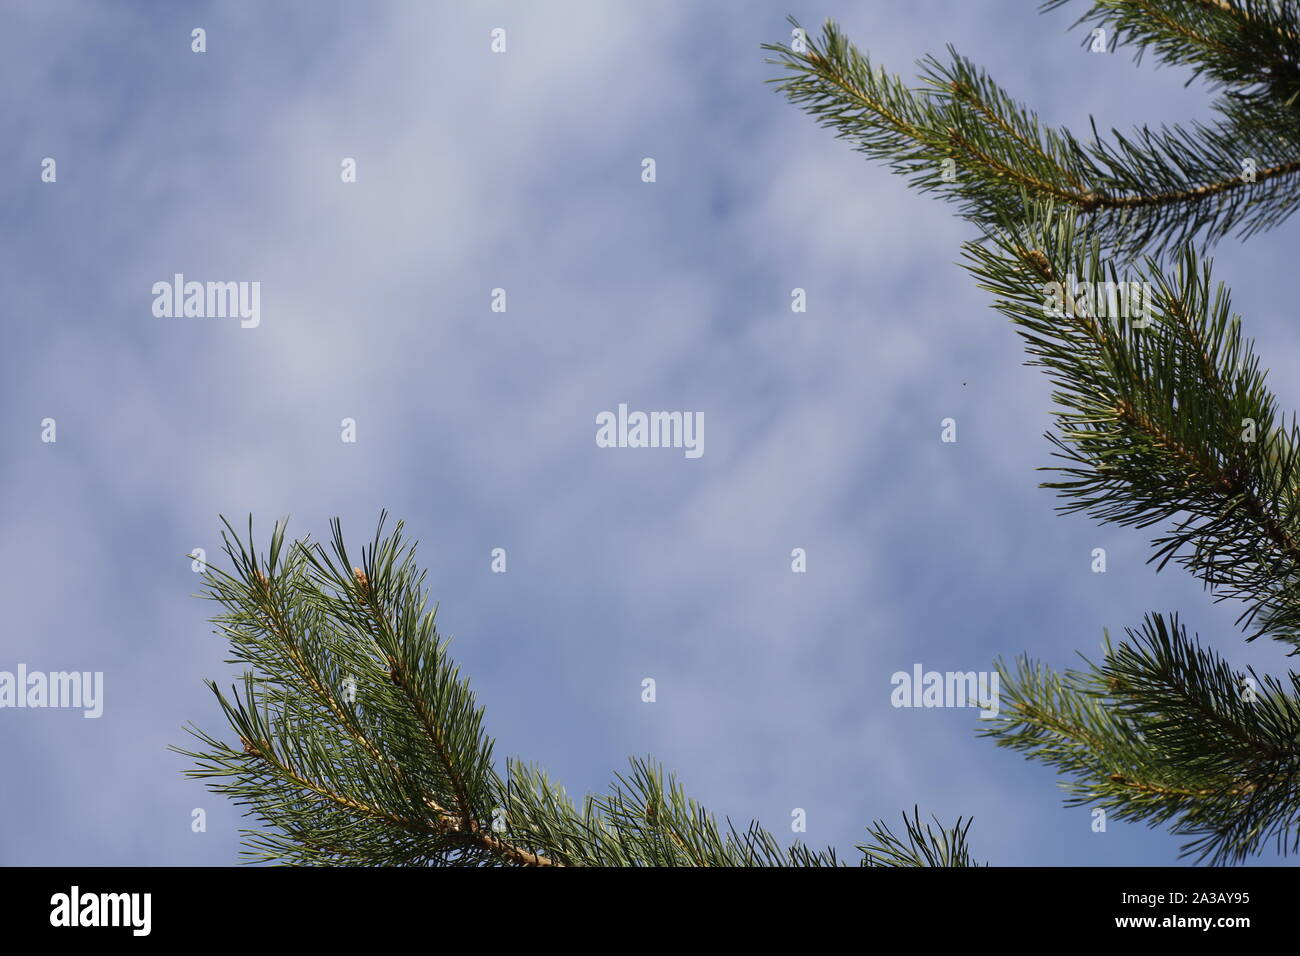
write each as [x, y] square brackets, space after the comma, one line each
[332, 906]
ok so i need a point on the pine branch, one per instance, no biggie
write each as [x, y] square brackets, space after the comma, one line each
[1165, 732]
[922, 846]
[964, 137]
[361, 743]
[1250, 49]
[1165, 417]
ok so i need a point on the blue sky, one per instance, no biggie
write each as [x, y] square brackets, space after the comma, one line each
[522, 171]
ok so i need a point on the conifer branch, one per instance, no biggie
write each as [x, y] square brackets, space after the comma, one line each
[1163, 731]
[1164, 416]
[1250, 49]
[359, 741]
[961, 135]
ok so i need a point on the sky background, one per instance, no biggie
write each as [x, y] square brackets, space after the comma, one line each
[523, 171]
